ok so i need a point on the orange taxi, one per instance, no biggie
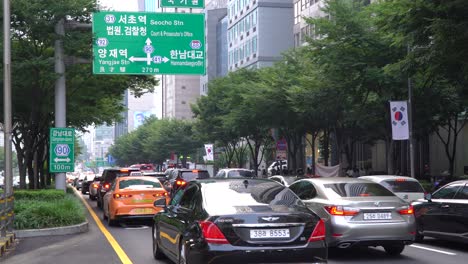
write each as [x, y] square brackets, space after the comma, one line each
[132, 197]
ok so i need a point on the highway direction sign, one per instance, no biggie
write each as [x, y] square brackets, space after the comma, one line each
[183, 3]
[148, 43]
[62, 150]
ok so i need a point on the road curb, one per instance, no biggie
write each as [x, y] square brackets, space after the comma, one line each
[55, 231]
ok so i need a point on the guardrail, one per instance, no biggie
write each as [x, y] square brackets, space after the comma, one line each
[6, 213]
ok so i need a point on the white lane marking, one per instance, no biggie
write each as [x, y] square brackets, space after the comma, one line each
[434, 250]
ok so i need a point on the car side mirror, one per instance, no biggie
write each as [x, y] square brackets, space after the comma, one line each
[428, 197]
[160, 203]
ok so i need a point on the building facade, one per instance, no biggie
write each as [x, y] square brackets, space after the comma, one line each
[258, 32]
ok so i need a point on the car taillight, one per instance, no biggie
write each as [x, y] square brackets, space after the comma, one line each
[160, 194]
[212, 233]
[407, 210]
[341, 211]
[95, 185]
[106, 186]
[319, 232]
[180, 183]
[121, 196]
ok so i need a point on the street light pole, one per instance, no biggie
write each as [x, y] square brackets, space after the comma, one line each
[6, 207]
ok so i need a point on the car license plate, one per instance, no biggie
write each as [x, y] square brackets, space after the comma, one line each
[377, 216]
[142, 211]
[269, 233]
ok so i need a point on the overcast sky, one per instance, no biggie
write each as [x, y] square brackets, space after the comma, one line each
[121, 5]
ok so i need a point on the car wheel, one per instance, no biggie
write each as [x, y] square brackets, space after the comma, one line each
[182, 254]
[419, 237]
[99, 203]
[92, 197]
[157, 253]
[83, 191]
[394, 249]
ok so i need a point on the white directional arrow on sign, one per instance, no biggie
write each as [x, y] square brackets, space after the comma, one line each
[133, 59]
[165, 59]
[62, 160]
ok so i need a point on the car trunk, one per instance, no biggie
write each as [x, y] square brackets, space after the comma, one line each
[267, 228]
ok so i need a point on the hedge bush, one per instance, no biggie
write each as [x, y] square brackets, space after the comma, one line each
[37, 209]
[39, 195]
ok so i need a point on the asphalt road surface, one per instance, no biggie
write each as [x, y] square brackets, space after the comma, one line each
[131, 243]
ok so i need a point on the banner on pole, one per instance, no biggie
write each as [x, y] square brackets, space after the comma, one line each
[399, 119]
[209, 152]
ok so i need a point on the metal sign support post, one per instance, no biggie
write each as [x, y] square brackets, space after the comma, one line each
[60, 93]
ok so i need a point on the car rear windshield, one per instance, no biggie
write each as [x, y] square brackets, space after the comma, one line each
[240, 173]
[403, 186]
[138, 184]
[357, 189]
[193, 175]
[243, 196]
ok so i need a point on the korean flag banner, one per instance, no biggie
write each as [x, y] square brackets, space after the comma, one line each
[209, 152]
[399, 119]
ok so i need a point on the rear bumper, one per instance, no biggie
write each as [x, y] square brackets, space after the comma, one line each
[345, 234]
[224, 254]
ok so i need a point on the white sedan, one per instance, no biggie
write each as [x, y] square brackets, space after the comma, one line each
[407, 188]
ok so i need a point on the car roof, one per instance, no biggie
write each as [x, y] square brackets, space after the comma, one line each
[231, 169]
[327, 180]
[136, 177]
[386, 177]
[215, 180]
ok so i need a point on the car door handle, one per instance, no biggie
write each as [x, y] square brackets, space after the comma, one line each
[445, 206]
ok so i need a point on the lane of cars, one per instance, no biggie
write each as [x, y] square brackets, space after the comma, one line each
[240, 216]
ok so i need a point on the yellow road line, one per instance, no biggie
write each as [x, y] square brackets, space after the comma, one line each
[115, 245]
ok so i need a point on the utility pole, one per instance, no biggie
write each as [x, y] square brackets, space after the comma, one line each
[410, 121]
[60, 93]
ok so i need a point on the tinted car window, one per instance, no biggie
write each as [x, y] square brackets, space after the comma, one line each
[240, 173]
[305, 190]
[360, 189]
[447, 192]
[191, 175]
[190, 198]
[403, 186]
[244, 196]
[462, 194]
[138, 184]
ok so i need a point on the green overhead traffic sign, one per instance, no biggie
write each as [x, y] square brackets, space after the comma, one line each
[183, 3]
[62, 150]
[148, 43]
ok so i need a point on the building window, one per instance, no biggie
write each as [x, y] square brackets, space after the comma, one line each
[254, 44]
[254, 17]
[297, 13]
[305, 4]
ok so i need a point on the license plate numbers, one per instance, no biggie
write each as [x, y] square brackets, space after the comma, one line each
[142, 211]
[377, 216]
[269, 233]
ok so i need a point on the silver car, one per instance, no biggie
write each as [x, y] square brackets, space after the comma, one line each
[359, 212]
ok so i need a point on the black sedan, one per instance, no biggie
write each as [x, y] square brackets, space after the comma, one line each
[444, 214]
[237, 221]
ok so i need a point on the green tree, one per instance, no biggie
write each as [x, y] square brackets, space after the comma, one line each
[90, 99]
[436, 34]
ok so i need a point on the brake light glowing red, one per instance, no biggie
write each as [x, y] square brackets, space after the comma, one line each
[106, 186]
[341, 211]
[212, 233]
[400, 180]
[319, 232]
[121, 196]
[408, 210]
